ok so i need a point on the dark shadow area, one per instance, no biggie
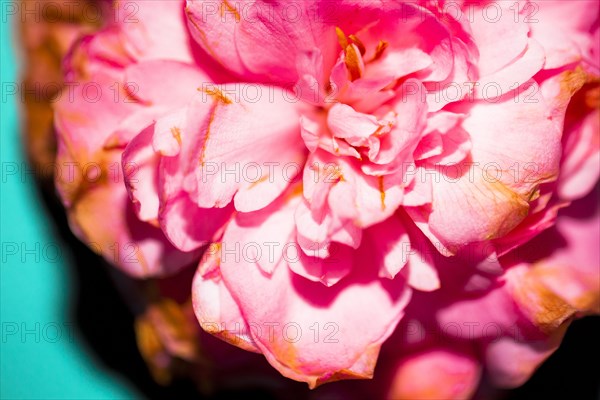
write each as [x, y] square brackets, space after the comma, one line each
[572, 372]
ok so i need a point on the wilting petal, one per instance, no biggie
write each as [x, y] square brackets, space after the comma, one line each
[565, 261]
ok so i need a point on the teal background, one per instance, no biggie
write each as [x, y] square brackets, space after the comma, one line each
[50, 360]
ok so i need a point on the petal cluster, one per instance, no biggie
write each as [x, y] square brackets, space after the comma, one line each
[341, 175]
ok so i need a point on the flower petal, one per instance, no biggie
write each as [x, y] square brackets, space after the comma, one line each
[390, 243]
[291, 310]
[242, 149]
[141, 175]
[489, 195]
[235, 35]
[217, 312]
[154, 30]
[436, 373]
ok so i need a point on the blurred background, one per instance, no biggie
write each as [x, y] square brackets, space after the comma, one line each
[66, 331]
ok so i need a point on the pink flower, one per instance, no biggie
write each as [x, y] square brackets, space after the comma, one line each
[380, 164]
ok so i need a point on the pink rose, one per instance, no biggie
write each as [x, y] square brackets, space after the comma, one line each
[344, 172]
